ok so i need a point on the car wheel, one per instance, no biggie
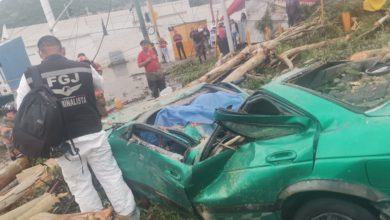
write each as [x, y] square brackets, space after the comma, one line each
[332, 209]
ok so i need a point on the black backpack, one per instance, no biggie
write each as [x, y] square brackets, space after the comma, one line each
[39, 125]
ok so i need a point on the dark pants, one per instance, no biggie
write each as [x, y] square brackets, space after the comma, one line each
[180, 49]
[223, 45]
[200, 50]
[293, 19]
[156, 83]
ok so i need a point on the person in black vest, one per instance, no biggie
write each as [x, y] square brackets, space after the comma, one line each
[74, 84]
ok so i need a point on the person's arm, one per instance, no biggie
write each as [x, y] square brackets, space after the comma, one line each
[22, 91]
[97, 79]
[142, 63]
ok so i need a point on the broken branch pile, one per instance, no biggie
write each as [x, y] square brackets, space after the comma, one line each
[311, 41]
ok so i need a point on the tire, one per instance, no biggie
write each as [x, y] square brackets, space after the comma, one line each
[319, 209]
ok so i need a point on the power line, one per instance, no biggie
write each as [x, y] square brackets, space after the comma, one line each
[101, 41]
[77, 36]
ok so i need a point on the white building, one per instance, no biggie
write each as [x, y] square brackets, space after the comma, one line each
[84, 34]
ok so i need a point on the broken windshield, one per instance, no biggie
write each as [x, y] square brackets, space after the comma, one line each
[361, 85]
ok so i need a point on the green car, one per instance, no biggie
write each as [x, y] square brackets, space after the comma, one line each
[310, 145]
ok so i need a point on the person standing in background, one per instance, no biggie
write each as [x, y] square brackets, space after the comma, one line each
[222, 39]
[293, 10]
[179, 44]
[147, 58]
[198, 38]
[243, 17]
[99, 93]
[8, 115]
[234, 29]
[206, 36]
[213, 36]
[164, 49]
[81, 57]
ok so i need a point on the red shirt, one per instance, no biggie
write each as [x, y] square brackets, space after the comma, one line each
[221, 32]
[153, 66]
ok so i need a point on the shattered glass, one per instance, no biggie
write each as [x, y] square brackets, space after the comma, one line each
[350, 83]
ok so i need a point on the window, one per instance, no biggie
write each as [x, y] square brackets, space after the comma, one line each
[359, 85]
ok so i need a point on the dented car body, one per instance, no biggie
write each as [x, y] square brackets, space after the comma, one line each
[287, 147]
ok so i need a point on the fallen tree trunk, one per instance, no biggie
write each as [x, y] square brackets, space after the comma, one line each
[263, 48]
[9, 187]
[247, 66]
[8, 173]
[224, 68]
[377, 24]
[381, 53]
[284, 57]
[105, 214]
[48, 166]
[20, 190]
[256, 54]
[43, 203]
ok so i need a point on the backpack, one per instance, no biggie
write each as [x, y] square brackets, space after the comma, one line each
[39, 125]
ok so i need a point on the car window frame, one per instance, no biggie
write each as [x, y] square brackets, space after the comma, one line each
[205, 153]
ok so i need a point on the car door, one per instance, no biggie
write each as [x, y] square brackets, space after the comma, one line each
[278, 148]
[151, 170]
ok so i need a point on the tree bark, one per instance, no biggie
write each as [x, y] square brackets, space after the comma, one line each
[43, 203]
[286, 54]
[8, 173]
[46, 204]
[377, 24]
[224, 68]
[247, 66]
[257, 54]
[370, 53]
[20, 190]
[105, 214]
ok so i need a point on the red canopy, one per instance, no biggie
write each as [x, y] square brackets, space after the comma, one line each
[308, 2]
[237, 5]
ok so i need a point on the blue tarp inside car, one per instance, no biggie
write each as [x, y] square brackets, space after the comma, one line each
[201, 110]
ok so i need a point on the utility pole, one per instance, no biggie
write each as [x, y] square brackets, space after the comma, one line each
[212, 11]
[48, 13]
[227, 26]
[154, 17]
[137, 6]
[51, 20]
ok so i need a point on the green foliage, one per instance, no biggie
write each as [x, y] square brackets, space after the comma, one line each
[157, 212]
[343, 49]
[262, 75]
[190, 70]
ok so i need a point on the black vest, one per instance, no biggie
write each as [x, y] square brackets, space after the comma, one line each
[72, 83]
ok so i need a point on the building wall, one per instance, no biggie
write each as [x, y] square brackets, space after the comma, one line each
[84, 34]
